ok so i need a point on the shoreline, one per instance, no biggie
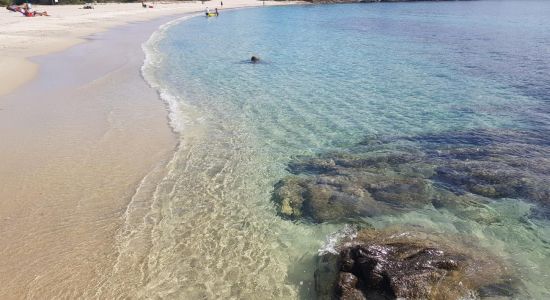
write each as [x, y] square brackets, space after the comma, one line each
[79, 146]
[69, 25]
[76, 145]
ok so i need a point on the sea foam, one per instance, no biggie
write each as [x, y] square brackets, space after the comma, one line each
[153, 61]
[333, 240]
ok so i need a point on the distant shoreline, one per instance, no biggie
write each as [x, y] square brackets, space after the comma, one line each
[68, 25]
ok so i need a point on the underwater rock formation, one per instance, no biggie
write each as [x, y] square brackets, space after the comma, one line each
[392, 175]
[349, 193]
[504, 164]
[393, 264]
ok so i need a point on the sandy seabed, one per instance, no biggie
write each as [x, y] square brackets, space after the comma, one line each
[79, 131]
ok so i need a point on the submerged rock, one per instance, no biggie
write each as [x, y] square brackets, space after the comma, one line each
[493, 164]
[390, 264]
[388, 176]
[339, 196]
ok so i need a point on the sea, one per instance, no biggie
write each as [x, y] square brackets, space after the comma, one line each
[329, 78]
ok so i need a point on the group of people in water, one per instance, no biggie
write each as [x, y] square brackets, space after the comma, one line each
[25, 9]
[210, 13]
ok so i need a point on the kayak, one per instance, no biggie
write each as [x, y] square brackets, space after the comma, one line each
[211, 14]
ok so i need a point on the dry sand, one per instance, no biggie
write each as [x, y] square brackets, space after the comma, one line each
[23, 37]
[75, 142]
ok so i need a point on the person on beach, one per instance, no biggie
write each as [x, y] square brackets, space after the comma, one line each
[14, 8]
[216, 11]
[207, 11]
[28, 13]
[27, 6]
[221, 3]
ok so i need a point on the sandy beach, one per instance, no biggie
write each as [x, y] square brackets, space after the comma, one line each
[80, 130]
[70, 24]
[373, 150]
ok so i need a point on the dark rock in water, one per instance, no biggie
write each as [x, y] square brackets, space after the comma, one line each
[350, 188]
[327, 275]
[411, 265]
[402, 270]
[323, 200]
[504, 164]
[347, 287]
[393, 175]
[341, 196]
[495, 180]
[501, 289]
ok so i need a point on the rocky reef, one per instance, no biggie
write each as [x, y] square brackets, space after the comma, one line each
[453, 170]
[460, 172]
[390, 264]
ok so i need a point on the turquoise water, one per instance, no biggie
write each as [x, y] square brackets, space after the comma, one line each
[330, 75]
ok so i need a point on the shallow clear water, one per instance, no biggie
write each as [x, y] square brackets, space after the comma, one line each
[330, 75]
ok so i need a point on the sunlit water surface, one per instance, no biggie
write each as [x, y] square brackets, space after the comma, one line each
[330, 75]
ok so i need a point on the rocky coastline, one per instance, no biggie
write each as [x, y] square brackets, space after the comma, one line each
[460, 172]
[397, 264]
[393, 175]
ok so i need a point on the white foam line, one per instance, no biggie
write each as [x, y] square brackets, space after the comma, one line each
[333, 240]
[153, 60]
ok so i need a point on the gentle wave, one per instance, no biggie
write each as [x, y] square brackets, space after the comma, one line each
[153, 60]
[211, 230]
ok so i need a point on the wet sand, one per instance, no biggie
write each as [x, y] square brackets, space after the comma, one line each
[68, 25]
[75, 144]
